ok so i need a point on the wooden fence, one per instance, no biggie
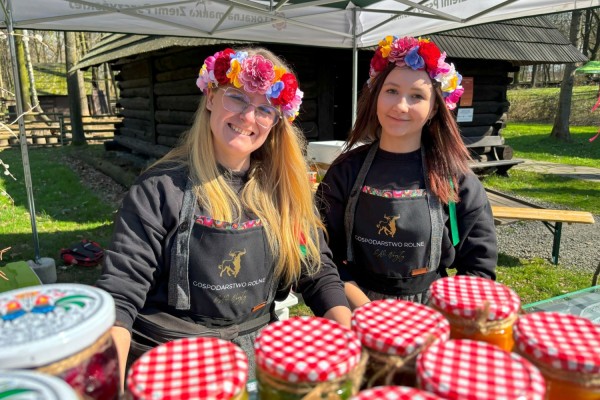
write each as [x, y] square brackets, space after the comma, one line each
[54, 129]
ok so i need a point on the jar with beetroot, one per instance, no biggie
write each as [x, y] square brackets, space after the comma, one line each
[62, 330]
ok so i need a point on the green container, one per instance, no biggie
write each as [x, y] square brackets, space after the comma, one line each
[17, 275]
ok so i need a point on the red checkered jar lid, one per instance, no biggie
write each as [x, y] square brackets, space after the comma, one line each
[191, 368]
[307, 349]
[398, 327]
[560, 341]
[467, 296]
[394, 393]
[472, 370]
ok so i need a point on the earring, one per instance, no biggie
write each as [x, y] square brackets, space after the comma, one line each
[428, 122]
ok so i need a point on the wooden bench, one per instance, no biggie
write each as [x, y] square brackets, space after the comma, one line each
[553, 219]
[496, 158]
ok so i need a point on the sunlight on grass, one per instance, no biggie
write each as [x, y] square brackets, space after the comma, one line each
[573, 193]
[533, 141]
[66, 211]
[537, 279]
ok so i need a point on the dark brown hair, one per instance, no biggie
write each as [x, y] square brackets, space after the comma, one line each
[445, 153]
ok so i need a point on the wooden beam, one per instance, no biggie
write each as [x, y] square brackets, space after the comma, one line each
[542, 214]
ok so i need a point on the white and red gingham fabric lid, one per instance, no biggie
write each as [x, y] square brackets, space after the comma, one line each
[394, 393]
[465, 296]
[472, 370]
[562, 341]
[187, 369]
[398, 327]
[307, 349]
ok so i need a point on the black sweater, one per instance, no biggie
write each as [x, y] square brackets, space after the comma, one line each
[136, 265]
[475, 254]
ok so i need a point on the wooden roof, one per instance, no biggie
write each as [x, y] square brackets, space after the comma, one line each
[522, 41]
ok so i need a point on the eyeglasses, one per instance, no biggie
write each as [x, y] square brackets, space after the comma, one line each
[236, 101]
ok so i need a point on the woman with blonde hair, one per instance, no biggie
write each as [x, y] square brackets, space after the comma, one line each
[222, 226]
[401, 205]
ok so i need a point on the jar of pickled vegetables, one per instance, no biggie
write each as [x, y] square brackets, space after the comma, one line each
[471, 370]
[477, 309]
[62, 330]
[566, 349]
[24, 384]
[394, 393]
[308, 358]
[393, 333]
[191, 368]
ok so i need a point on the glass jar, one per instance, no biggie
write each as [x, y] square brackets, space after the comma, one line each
[472, 370]
[566, 349]
[393, 333]
[477, 309]
[23, 384]
[302, 357]
[62, 330]
[394, 393]
[190, 368]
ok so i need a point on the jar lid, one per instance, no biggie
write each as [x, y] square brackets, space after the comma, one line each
[471, 370]
[563, 341]
[307, 349]
[43, 324]
[190, 368]
[394, 393]
[398, 327]
[467, 296]
[34, 385]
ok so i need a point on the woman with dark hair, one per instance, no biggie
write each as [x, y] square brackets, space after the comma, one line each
[401, 205]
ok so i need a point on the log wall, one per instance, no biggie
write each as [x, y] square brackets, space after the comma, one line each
[159, 97]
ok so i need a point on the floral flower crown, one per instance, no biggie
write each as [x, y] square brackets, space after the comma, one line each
[418, 54]
[255, 74]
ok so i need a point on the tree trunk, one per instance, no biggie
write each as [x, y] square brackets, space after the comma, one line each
[23, 76]
[74, 90]
[29, 66]
[560, 130]
[534, 69]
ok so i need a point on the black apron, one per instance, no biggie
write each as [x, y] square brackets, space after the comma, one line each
[221, 284]
[394, 244]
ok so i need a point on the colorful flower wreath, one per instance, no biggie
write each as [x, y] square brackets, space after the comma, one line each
[418, 54]
[255, 74]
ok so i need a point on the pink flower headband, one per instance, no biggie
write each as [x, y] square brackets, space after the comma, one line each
[418, 54]
[256, 75]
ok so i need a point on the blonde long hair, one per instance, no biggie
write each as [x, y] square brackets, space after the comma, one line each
[277, 191]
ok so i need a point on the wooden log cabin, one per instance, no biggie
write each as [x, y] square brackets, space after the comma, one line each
[158, 96]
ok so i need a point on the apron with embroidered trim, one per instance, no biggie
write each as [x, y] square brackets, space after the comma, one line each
[394, 238]
[221, 284]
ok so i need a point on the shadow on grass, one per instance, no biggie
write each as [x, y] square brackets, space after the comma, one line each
[57, 191]
[507, 261]
[22, 248]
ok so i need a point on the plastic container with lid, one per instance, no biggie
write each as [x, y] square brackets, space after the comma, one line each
[472, 370]
[62, 330]
[566, 349]
[394, 332]
[394, 393]
[308, 356]
[24, 385]
[477, 308]
[187, 369]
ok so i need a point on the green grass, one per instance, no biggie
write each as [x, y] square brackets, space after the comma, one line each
[66, 211]
[575, 194]
[533, 141]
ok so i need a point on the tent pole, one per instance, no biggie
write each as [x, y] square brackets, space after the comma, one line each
[22, 135]
[354, 67]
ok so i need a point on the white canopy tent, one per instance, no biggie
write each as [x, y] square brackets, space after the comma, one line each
[328, 23]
